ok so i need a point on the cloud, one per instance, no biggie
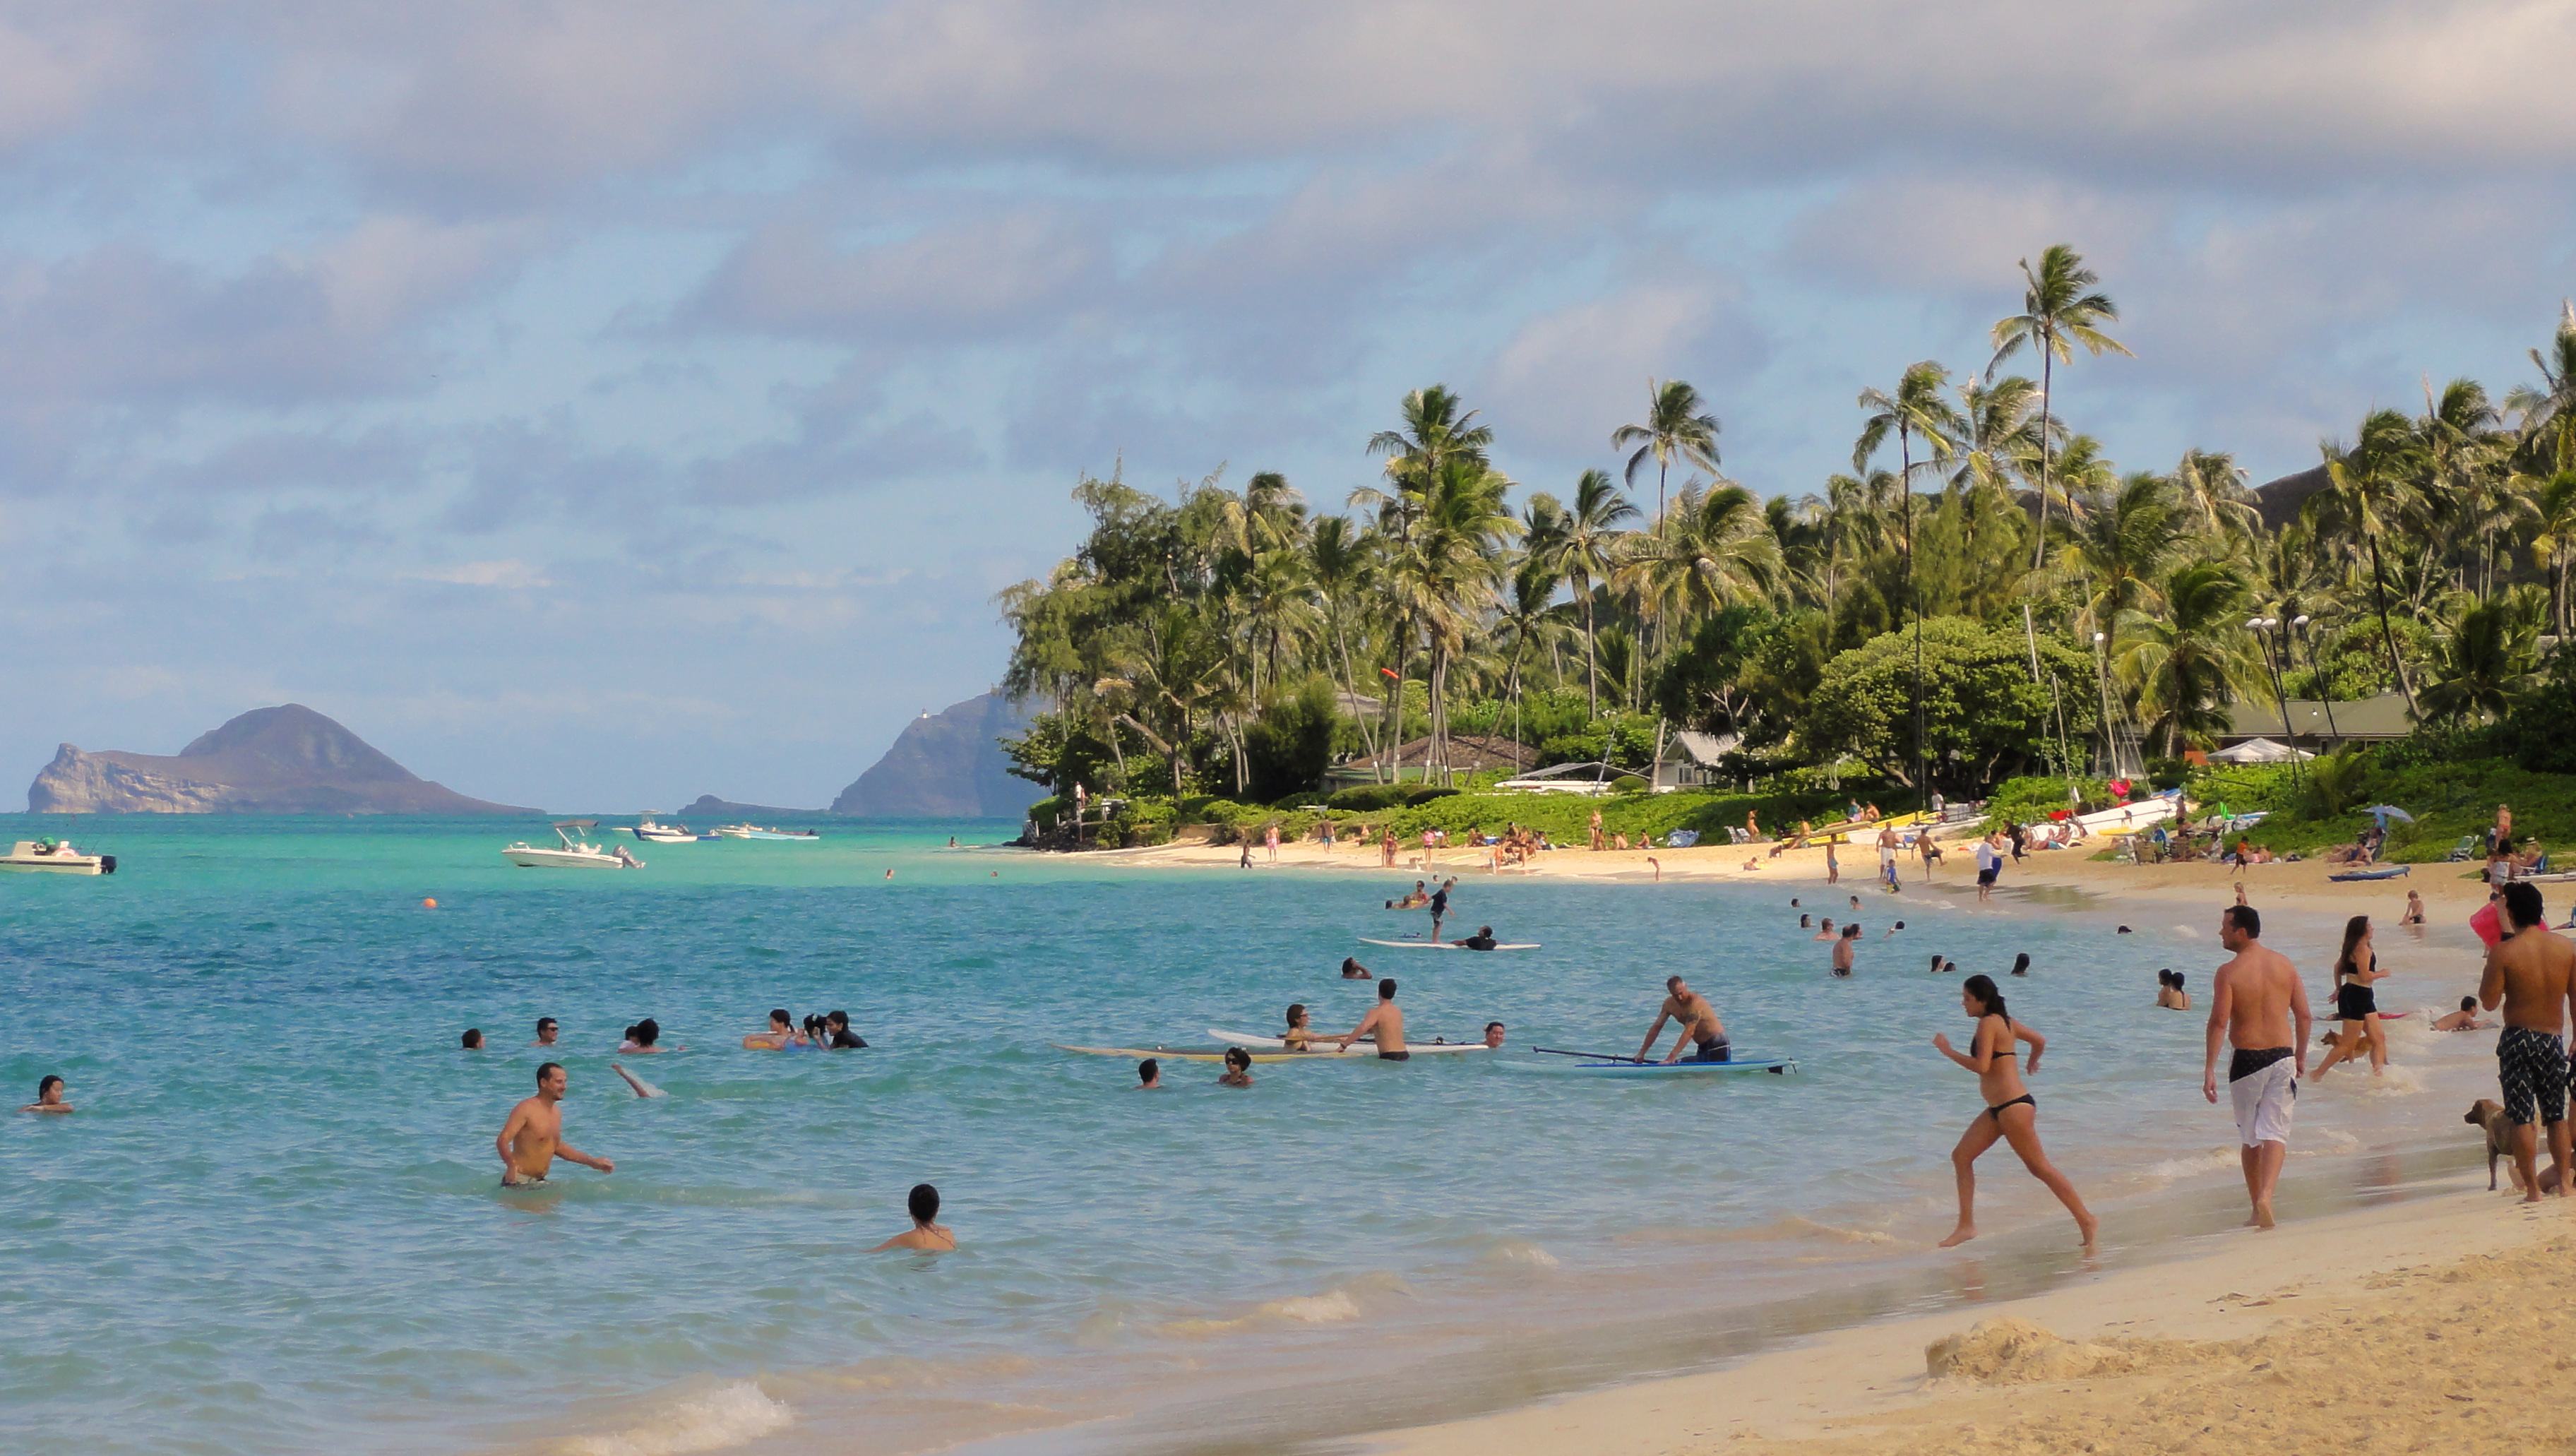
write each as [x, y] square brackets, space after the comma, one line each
[1566, 372]
[979, 278]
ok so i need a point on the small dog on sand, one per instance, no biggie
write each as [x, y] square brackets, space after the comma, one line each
[2488, 1114]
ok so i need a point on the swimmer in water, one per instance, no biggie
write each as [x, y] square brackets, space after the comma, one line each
[2021, 964]
[1845, 948]
[1299, 1036]
[927, 1234]
[1149, 1075]
[1384, 1025]
[1825, 931]
[472, 1041]
[645, 1038]
[49, 1096]
[1238, 1068]
[1352, 970]
[1494, 1035]
[781, 1035]
[532, 1138]
[2464, 1019]
[546, 1032]
[1806, 922]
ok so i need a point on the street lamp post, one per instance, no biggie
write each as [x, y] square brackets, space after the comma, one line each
[2262, 627]
[2316, 670]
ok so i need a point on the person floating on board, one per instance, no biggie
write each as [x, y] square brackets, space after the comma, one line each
[1483, 939]
[532, 1138]
[1494, 1035]
[1695, 1026]
[1385, 1024]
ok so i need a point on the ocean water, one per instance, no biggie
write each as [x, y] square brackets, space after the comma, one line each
[274, 1225]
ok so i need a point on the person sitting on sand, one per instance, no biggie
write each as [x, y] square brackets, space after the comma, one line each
[1620, 840]
[2011, 1115]
[49, 1096]
[1238, 1068]
[2464, 1019]
[781, 1035]
[927, 1234]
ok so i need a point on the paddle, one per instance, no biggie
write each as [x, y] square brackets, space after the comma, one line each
[1596, 1056]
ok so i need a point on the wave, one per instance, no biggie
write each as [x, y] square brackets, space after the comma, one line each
[708, 1420]
[1515, 1253]
[1788, 1228]
[1338, 1305]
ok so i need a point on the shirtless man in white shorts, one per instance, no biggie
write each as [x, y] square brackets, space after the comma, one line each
[2258, 1006]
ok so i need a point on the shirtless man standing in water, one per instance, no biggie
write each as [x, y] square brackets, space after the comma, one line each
[533, 1137]
[1697, 1023]
[2257, 1005]
[1383, 1022]
[2530, 973]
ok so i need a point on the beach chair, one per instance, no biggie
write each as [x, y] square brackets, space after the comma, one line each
[2467, 848]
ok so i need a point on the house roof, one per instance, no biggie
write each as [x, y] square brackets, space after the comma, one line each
[1704, 749]
[1468, 751]
[2382, 717]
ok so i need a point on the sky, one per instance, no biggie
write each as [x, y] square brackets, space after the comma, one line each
[598, 404]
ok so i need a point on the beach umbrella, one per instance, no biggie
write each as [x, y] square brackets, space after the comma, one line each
[2385, 812]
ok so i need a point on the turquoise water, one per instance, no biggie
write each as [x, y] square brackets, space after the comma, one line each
[273, 1225]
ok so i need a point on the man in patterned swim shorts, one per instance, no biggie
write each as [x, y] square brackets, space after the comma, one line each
[2532, 973]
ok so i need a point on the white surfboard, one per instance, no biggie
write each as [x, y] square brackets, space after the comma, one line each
[1444, 945]
[1361, 1048]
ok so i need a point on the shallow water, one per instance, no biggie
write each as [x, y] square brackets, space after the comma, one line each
[273, 1225]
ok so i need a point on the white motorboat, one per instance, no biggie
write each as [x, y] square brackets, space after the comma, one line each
[652, 833]
[570, 852]
[754, 831]
[58, 856]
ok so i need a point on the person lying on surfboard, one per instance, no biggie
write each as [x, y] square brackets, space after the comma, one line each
[1384, 1023]
[1415, 901]
[1483, 939]
[1695, 1024]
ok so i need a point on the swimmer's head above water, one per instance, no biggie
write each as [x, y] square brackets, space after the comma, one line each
[472, 1041]
[1494, 1034]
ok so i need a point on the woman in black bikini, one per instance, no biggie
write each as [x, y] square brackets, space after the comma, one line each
[2011, 1115]
[2356, 1005]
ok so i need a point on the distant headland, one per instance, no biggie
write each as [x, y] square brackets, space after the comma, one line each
[282, 760]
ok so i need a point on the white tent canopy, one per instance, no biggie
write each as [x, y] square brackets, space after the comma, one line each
[2259, 750]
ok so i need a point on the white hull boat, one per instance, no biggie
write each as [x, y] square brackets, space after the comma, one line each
[56, 857]
[651, 833]
[570, 853]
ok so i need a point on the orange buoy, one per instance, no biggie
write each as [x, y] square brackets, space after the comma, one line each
[429, 904]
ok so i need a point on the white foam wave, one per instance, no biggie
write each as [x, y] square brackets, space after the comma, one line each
[1529, 1256]
[729, 1415]
[2193, 1164]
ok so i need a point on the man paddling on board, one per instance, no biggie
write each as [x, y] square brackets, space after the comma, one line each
[1385, 1023]
[1483, 939]
[1695, 1025]
[533, 1137]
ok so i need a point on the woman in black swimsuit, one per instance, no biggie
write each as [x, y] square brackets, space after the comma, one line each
[2011, 1115]
[2356, 1005]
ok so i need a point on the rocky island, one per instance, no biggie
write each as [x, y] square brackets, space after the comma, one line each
[282, 760]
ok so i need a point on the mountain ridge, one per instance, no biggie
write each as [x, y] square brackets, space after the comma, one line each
[283, 760]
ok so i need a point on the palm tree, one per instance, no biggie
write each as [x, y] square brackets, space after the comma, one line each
[1443, 575]
[2549, 412]
[2368, 492]
[2551, 509]
[2213, 490]
[1583, 550]
[1436, 433]
[2057, 312]
[1528, 619]
[2490, 657]
[2188, 660]
[1916, 408]
[1714, 549]
[2121, 550]
[1343, 567]
[1678, 427]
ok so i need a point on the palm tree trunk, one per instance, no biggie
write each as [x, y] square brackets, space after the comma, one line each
[2379, 589]
[2047, 362]
[1591, 658]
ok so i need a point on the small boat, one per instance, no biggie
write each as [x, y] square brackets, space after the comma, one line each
[754, 831]
[651, 833]
[57, 856]
[570, 853]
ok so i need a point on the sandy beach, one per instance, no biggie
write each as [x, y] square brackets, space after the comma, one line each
[2450, 891]
[2436, 1323]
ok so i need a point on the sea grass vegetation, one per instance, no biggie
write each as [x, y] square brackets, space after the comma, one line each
[1987, 595]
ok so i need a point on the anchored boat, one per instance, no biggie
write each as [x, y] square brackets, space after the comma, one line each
[58, 857]
[570, 853]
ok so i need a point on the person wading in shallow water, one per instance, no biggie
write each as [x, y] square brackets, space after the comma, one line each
[2258, 1006]
[2011, 1115]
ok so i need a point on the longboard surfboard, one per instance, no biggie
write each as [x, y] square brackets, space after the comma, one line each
[1444, 945]
[1361, 1048]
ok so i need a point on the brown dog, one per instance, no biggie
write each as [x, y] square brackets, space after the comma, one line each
[2487, 1113]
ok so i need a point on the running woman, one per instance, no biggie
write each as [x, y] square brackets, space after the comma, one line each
[2011, 1115]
